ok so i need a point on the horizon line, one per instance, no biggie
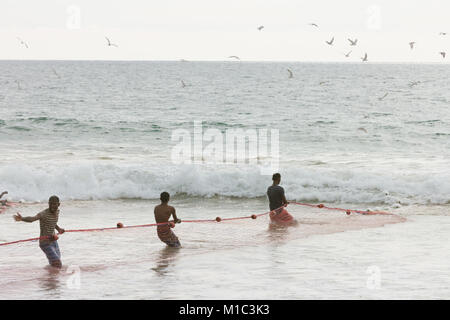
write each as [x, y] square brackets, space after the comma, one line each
[230, 61]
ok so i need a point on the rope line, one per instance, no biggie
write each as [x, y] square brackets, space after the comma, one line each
[217, 219]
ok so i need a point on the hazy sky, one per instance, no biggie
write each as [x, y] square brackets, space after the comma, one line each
[214, 30]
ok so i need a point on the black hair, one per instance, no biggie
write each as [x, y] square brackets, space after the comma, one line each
[53, 198]
[164, 196]
[276, 176]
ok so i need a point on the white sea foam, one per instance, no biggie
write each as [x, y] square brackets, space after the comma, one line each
[85, 180]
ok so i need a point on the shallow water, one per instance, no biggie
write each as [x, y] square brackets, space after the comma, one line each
[321, 258]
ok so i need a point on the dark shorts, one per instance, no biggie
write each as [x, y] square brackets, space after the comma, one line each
[51, 250]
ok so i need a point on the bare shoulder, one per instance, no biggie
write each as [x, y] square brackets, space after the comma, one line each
[42, 213]
[172, 209]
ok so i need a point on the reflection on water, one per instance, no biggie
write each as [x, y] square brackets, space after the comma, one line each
[51, 281]
[277, 233]
[166, 257]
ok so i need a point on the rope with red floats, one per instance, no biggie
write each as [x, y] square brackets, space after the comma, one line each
[217, 219]
[348, 211]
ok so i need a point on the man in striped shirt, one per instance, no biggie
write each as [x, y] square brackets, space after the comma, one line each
[48, 220]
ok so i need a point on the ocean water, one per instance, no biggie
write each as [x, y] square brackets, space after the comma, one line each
[99, 135]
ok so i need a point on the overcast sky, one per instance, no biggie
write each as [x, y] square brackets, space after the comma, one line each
[214, 30]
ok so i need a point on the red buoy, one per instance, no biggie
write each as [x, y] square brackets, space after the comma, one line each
[218, 219]
[171, 224]
[254, 216]
[320, 205]
[119, 225]
[54, 237]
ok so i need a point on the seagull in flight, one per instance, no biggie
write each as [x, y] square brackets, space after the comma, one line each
[413, 83]
[330, 42]
[365, 58]
[56, 74]
[362, 129]
[353, 42]
[235, 57]
[385, 95]
[260, 28]
[442, 54]
[22, 42]
[443, 33]
[411, 44]
[18, 84]
[348, 54]
[183, 84]
[314, 25]
[291, 75]
[110, 44]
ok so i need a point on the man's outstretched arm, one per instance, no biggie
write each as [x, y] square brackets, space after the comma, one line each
[18, 217]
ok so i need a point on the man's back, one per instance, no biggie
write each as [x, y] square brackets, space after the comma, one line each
[163, 213]
[275, 194]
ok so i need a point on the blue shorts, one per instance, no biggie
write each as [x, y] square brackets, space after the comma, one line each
[51, 250]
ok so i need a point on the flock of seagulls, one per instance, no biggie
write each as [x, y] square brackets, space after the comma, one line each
[352, 43]
[364, 59]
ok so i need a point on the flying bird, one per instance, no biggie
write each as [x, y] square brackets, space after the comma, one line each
[365, 58]
[385, 95]
[260, 28]
[314, 25]
[110, 44]
[353, 42]
[362, 129]
[183, 84]
[18, 84]
[235, 57]
[413, 83]
[442, 54]
[322, 82]
[56, 74]
[348, 54]
[22, 42]
[411, 44]
[291, 75]
[330, 42]
[443, 33]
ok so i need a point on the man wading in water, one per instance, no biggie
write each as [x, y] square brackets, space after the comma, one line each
[277, 202]
[162, 214]
[48, 220]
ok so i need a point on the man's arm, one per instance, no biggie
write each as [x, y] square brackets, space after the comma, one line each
[174, 214]
[3, 193]
[18, 217]
[60, 230]
[283, 198]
